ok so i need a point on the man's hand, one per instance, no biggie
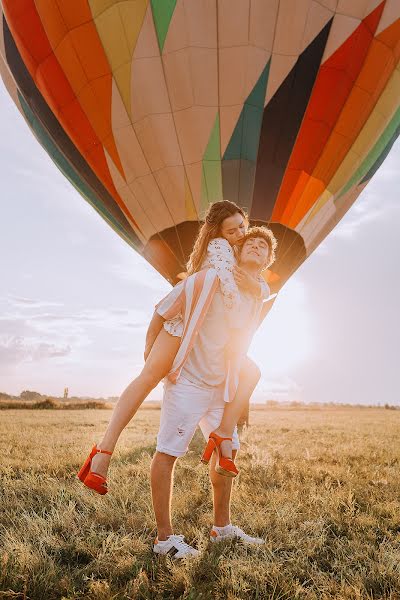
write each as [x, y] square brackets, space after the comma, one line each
[246, 282]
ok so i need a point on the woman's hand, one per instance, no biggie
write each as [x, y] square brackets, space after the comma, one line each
[246, 282]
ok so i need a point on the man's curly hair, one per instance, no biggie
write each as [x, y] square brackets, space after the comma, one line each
[267, 235]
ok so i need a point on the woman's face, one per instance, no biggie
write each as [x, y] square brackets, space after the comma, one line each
[233, 229]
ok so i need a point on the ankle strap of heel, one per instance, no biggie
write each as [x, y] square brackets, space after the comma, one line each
[218, 439]
[99, 451]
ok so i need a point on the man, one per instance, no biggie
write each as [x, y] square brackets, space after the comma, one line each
[195, 396]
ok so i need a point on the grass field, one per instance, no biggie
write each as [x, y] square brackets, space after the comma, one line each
[321, 486]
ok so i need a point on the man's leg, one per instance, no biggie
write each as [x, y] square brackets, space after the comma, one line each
[180, 413]
[221, 485]
[222, 490]
[161, 473]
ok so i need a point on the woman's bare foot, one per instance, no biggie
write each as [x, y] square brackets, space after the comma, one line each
[100, 463]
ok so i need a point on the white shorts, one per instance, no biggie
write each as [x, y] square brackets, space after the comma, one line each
[186, 405]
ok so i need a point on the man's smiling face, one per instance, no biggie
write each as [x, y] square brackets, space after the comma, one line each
[255, 251]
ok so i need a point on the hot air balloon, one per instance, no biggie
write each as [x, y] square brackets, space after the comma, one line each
[155, 109]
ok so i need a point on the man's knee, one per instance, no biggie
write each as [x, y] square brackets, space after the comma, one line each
[161, 458]
[164, 456]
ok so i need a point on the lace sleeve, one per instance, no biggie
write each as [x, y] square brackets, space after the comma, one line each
[220, 256]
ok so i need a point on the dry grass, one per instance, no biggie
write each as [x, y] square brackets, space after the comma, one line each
[50, 403]
[322, 487]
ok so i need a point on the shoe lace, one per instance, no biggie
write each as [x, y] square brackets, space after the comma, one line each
[179, 539]
[238, 532]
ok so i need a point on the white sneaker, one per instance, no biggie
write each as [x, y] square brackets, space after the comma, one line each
[233, 532]
[175, 547]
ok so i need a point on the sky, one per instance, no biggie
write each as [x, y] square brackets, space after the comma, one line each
[75, 300]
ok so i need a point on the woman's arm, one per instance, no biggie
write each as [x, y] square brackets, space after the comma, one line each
[220, 256]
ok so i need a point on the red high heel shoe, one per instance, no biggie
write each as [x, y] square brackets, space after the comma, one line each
[225, 466]
[92, 480]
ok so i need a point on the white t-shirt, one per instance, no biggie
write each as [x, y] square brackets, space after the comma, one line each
[206, 363]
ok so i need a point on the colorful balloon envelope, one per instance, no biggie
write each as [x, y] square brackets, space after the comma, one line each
[156, 109]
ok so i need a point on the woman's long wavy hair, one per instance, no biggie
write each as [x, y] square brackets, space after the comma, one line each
[211, 228]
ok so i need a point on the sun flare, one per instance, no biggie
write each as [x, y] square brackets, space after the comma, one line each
[285, 339]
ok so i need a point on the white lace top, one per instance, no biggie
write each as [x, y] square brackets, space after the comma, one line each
[221, 257]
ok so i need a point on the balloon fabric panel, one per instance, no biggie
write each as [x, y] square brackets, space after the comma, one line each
[282, 119]
[154, 109]
[349, 124]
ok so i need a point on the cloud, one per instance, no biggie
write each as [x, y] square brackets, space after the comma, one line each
[28, 335]
[30, 315]
[133, 269]
[15, 350]
[136, 325]
[21, 327]
[30, 302]
[357, 220]
[51, 317]
[102, 318]
[283, 388]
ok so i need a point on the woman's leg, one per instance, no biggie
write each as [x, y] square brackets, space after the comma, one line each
[156, 367]
[248, 379]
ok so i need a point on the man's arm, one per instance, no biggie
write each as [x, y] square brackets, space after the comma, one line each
[153, 330]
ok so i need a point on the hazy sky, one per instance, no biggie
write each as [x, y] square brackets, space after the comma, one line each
[75, 300]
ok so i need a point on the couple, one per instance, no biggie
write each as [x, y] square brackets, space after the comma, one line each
[198, 338]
